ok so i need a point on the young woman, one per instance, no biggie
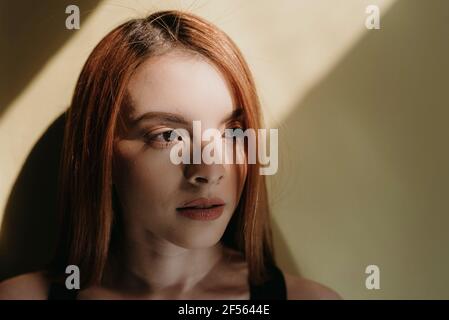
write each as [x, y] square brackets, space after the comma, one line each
[137, 225]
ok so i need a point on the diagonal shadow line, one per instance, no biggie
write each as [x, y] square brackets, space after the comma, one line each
[32, 32]
[379, 95]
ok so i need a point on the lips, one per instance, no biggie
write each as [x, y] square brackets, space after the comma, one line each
[202, 209]
[203, 203]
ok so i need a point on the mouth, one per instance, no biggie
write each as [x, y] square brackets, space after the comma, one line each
[202, 209]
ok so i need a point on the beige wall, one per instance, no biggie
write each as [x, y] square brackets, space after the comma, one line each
[362, 116]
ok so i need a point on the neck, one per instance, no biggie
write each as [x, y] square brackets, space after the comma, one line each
[150, 265]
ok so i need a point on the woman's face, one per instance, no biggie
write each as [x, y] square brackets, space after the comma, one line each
[150, 187]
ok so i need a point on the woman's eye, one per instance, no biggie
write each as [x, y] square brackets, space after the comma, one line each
[233, 131]
[165, 138]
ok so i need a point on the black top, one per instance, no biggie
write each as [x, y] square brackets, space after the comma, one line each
[272, 289]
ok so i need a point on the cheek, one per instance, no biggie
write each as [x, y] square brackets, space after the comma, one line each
[236, 181]
[144, 177]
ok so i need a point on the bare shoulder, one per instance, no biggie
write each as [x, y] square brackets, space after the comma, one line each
[300, 288]
[28, 286]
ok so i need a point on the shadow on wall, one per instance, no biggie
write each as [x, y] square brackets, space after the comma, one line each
[283, 254]
[31, 33]
[28, 231]
[372, 157]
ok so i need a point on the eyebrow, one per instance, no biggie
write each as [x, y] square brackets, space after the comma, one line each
[235, 114]
[161, 116]
[176, 118]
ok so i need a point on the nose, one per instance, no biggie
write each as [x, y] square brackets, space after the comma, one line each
[204, 174]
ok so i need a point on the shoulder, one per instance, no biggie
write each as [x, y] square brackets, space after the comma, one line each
[28, 286]
[300, 288]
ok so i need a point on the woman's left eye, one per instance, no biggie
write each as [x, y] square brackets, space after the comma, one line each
[235, 129]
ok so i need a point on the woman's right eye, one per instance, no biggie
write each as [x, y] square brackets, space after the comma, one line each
[164, 138]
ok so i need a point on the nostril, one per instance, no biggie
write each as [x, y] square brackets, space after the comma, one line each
[201, 179]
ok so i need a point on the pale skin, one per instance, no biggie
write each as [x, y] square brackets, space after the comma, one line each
[165, 255]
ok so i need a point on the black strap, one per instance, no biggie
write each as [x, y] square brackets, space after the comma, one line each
[58, 291]
[272, 289]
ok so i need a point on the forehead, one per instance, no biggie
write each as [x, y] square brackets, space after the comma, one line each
[182, 83]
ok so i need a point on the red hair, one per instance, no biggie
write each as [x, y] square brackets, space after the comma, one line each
[86, 195]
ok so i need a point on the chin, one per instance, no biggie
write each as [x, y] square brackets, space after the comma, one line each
[198, 240]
